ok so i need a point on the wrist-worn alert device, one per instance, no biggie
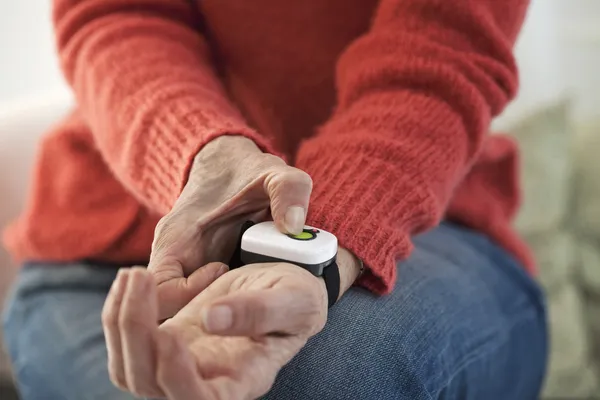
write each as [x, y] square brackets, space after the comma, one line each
[314, 250]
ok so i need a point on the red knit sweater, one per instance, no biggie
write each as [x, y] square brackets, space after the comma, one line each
[385, 103]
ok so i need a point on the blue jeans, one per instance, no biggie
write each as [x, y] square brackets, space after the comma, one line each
[464, 322]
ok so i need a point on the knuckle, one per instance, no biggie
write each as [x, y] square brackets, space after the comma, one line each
[161, 225]
[175, 225]
[129, 322]
[138, 271]
[167, 225]
[303, 177]
[297, 180]
[110, 317]
[162, 230]
[289, 181]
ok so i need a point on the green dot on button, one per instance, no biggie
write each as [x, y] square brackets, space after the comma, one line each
[304, 236]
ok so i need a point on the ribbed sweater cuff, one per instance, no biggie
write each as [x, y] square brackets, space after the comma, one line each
[369, 204]
[173, 142]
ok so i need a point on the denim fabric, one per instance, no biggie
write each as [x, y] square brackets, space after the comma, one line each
[464, 322]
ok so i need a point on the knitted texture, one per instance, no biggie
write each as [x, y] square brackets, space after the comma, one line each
[385, 103]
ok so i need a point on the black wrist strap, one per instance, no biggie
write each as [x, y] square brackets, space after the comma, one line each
[236, 258]
[331, 273]
[331, 276]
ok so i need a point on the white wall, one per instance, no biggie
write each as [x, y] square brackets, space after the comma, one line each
[537, 51]
[580, 46]
[559, 56]
[27, 63]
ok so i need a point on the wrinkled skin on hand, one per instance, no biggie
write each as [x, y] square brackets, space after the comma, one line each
[231, 181]
[228, 343]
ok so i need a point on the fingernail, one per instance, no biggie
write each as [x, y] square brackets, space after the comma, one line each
[121, 276]
[117, 285]
[218, 318]
[221, 270]
[294, 220]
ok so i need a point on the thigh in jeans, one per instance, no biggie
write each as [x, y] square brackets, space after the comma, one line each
[54, 334]
[464, 322]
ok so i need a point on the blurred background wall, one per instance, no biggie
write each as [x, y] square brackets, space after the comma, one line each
[28, 66]
[558, 56]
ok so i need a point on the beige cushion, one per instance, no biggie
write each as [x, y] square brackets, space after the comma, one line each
[586, 213]
[556, 255]
[570, 373]
[544, 139]
[592, 315]
[588, 264]
[586, 210]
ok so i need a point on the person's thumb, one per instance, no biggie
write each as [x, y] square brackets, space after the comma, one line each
[289, 191]
[261, 312]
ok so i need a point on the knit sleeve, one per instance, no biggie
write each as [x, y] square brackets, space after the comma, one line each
[142, 75]
[416, 95]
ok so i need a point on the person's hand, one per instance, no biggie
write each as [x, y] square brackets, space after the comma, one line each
[230, 182]
[228, 343]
